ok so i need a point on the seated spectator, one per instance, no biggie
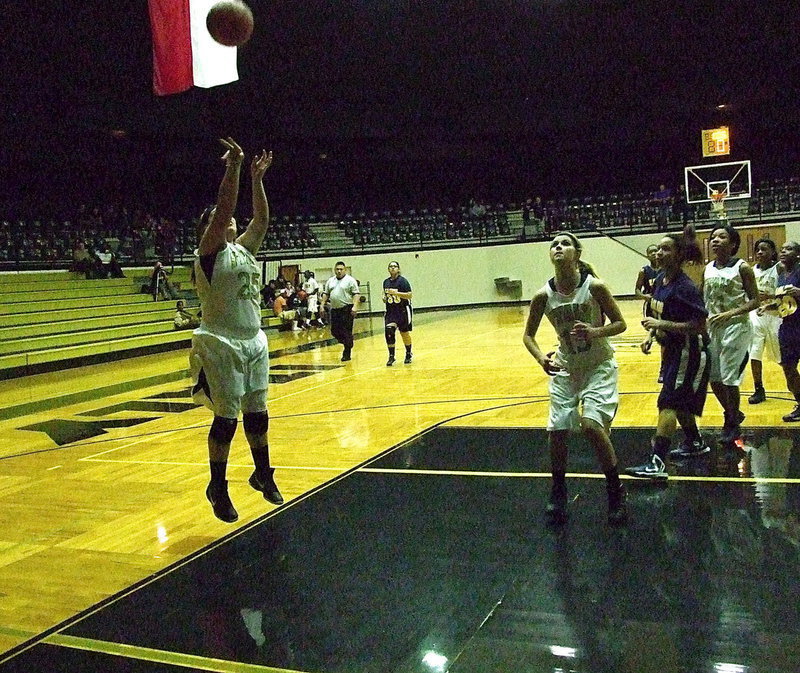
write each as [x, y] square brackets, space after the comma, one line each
[81, 259]
[280, 309]
[268, 294]
[184, 319]
[97, 269]
[109, 264]
[160, 283]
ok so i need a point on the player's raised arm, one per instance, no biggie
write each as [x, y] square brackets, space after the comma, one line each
[216, 233]
[257, 229]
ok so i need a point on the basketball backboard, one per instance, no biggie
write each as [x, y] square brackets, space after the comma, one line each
[733, 179]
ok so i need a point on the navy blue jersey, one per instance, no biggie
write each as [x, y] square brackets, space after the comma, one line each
[393, 302]
[650, 275]
[677, 301]
[792, 321]
[685, 363]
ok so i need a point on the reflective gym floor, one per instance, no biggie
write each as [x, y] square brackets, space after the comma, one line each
[412, 539]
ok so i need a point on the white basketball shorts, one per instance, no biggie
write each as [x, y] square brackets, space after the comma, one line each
[590, 394]
[230, 375]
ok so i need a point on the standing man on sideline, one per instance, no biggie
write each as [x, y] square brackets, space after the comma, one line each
[229, 358]
[397, 297]
[342, 290]
[788, 292]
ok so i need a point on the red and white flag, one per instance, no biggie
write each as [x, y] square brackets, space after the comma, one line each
[184, 53]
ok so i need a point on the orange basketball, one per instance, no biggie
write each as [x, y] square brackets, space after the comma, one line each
[230, 22]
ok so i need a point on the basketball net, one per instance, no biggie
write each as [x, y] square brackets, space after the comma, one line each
[718, 204]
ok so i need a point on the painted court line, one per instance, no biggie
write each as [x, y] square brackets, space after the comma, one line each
[191, 661]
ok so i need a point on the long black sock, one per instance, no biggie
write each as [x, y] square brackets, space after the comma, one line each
[261, 458]
[218, 469]
[408, 349]
[612, 479]
[559, 477]
[661, 446]
[692, 433]
[391, 351]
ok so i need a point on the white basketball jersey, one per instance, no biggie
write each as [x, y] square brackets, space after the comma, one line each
[723, 289]
[766, 279]
[231, 303]
[563, 311]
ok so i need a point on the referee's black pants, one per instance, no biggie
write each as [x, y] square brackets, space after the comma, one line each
[342, 325]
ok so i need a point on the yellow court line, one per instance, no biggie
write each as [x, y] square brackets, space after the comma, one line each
[582, 475]
[160, 656]
[17, 633]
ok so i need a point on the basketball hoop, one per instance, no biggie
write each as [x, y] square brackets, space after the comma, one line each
[718, 204]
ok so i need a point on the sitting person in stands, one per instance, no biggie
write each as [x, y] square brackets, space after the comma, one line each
[184, 319]
[280, 309]
[110, 265]
[268, 294]
[81, 259]
[160, 283]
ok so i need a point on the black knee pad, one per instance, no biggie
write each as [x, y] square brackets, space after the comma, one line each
[256, 423]
[391, 334]
[223, 429]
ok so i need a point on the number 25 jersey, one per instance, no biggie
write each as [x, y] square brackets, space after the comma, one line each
[563, 311]
[230, 300]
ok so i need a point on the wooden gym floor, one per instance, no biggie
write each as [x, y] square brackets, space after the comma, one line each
[412, 537]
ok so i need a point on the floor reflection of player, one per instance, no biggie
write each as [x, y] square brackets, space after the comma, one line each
[645, 601]
[398, 318]
[769, 459]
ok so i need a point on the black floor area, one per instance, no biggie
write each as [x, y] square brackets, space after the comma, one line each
[390, 572]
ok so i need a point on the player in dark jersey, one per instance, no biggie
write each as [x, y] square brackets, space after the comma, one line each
[646, 277]
[397, 297]
[678, 322]
[788, 291]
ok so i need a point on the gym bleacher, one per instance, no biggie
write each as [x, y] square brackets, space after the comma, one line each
[52, 320]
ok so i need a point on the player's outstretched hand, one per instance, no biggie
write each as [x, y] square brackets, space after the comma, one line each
[260, 163]
[233, 153]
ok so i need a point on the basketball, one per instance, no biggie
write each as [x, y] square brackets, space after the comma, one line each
[230, 23]
[302, 295]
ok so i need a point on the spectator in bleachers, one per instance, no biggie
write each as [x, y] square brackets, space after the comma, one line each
[184, 319]
[680, 206]
[280, 308]
[109, 263]
[268, 294]
[81, 259]
[664, 198]
[160, 283]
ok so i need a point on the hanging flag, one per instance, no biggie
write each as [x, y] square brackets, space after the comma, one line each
[184, 53]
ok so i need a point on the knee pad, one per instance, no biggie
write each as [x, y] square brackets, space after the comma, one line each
[256, 423]
[391, 334]
[223, 429]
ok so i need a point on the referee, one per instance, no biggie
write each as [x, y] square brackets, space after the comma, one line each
[342, 291]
